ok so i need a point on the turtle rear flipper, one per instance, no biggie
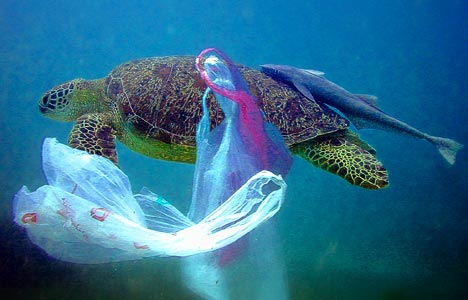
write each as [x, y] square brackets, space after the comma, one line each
[94, 134]
[345, 155]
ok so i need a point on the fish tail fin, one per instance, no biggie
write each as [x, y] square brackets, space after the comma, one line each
[447, 148]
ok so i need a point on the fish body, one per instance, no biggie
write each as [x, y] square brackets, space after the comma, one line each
[361, 110]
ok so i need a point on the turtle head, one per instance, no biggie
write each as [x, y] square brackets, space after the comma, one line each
[70, 100]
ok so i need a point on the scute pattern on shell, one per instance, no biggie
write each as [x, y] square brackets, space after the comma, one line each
[297, 117]
[160, 98]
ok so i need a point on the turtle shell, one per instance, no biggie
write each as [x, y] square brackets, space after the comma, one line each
[160, 99]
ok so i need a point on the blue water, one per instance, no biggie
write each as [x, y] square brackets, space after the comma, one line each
[409, 241]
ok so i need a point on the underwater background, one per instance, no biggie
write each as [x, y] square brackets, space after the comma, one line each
[408, 241]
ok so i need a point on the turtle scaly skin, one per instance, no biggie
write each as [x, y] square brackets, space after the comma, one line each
[339, 156]
[93, 134]
[153, 106]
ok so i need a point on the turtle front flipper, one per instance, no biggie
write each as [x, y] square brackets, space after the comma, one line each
[345, 155]
[94, 134]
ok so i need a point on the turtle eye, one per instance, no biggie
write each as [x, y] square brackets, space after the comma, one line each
[43, 104]
[45, 100]
[53, 100]
[56, 100]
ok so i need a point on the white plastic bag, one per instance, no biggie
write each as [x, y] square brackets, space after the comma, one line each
[87, 213]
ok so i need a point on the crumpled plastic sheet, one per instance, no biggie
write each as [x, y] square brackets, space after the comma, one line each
[242, 145]
[87, 213]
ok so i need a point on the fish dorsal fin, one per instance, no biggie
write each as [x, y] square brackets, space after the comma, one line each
[369, 99]
[303, 90]
[314, 72]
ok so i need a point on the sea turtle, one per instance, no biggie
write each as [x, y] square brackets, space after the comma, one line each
[153, 106]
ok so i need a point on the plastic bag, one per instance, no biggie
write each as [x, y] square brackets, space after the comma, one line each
[87, 213]
[242, 145]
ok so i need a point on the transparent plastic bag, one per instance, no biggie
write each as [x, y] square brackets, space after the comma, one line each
[87, 213]
[242, 145]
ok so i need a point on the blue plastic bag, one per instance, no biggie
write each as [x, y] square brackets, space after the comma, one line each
[242, 145]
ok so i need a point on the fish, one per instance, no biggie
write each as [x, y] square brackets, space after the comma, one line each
[360, 109]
